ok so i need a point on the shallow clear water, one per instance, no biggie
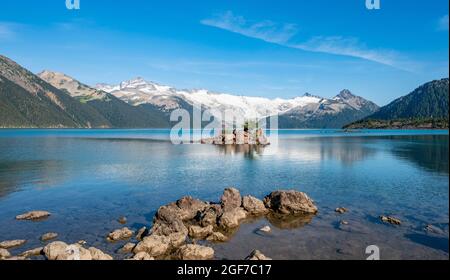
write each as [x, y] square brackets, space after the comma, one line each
[88, 179]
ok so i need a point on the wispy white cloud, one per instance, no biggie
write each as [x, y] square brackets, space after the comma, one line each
[352, 47]
[267, 30]
[283, 34]
[443, 23]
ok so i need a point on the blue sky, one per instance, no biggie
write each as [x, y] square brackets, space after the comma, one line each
[278, 48]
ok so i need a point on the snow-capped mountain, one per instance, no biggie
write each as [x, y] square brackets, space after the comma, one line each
[138, 91]
[300, 110]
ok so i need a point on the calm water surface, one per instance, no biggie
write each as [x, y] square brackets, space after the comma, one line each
[88, 179]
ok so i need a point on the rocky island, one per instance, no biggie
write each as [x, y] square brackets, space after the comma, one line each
[239, 137]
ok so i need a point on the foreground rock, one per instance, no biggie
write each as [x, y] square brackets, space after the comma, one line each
[217, 237]
[32, 252]
[142, 256]
[120, 234]
[188, 217]
[257, 256]
[199, 232]
[99, 255]
[33, 215]
[11, 244]
[254, 206]
[195, 252]
[61, 251]
[231, 199]
[290, 202]
[153, 245]
[232, 218]
[142, 232]
[391, 220]
[49, 236]
[4, 254]
[127, 248]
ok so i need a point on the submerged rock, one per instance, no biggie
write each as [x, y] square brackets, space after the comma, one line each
[49, 236]
[283, 221]
[257, 256]
[253, 205]
[4, 254]
[341, 210]
[434, 229]
[122, 220]
[11, 244]
[390, 220]
[290, 202]
[195, 252]
[120, 234]
[33, 215]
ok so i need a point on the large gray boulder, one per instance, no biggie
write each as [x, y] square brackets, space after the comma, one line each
[231, 199]
[232, 218]
[253, 205]
[290, 202]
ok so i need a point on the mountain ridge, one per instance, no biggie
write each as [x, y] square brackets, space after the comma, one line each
[424, 107]
[346, 106]
[53, 99]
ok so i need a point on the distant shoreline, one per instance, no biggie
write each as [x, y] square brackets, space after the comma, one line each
[351, 128]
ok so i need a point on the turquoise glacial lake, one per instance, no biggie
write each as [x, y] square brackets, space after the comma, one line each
[88, 179]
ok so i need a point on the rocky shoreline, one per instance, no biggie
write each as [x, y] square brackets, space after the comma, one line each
[184, 229]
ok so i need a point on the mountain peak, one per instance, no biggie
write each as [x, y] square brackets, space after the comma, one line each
[345, 94]
[70, 85]
[52, 75]
[307, 94]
